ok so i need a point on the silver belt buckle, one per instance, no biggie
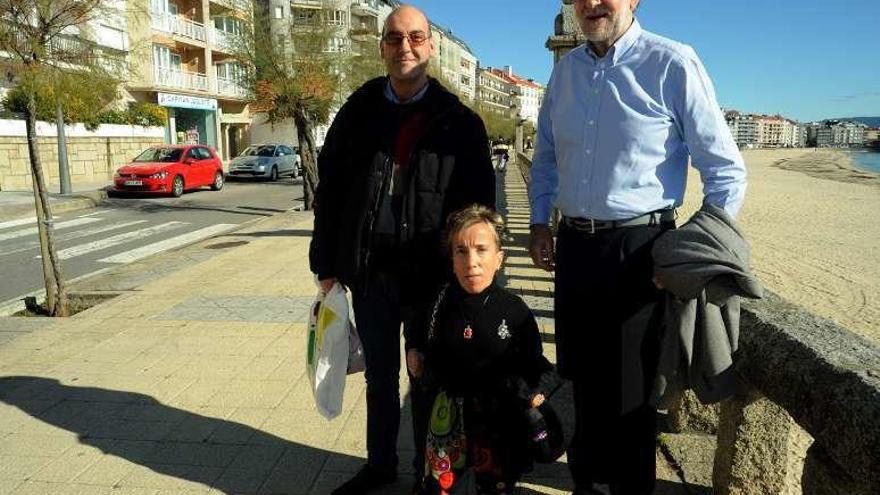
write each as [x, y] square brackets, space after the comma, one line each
[592, 225]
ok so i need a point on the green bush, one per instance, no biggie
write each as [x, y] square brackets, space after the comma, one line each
[137, 113]
[146, 114]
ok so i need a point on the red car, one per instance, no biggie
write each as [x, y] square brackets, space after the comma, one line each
[171, 169]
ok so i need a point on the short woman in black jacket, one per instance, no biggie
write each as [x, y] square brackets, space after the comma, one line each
[483, 348]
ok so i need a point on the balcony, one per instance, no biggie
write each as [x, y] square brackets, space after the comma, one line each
[229, 87]
[237, 5]
[178, 26]
[174, 78]
[314, 4]
[222, 41]
[363, 34]
[364, 8]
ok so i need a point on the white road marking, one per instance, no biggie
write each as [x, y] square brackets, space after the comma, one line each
[76, 222]
[94, 213]
[157, 247]
[71, 236]
[98, 245]
[19, 222]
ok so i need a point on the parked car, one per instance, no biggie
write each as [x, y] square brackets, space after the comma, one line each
[267, 161]
[171, 169]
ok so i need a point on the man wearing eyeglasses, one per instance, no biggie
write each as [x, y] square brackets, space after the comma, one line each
[622, 117]
[401, 154]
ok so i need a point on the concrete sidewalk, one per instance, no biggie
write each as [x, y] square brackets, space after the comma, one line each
[193, 381]
[20, 203]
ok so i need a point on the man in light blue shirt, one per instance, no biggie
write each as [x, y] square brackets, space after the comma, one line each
[621, 117]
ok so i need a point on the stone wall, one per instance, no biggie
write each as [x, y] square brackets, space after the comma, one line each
[806, 418]
[91, 159]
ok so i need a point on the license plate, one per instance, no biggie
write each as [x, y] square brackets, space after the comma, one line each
[134, 183]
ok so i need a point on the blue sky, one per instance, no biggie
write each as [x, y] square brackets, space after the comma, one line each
[803, 59]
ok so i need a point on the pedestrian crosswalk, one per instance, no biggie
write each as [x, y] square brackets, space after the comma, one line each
[104, 237]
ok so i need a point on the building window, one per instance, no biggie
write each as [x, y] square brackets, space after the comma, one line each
[336, 18]
[279, 12]
[304, 16]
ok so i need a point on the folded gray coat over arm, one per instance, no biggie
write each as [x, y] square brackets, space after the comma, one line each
[704, 268]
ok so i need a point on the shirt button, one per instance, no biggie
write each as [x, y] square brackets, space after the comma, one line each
[591, 122]
[596, 91]
[583, 181]
[589, 151]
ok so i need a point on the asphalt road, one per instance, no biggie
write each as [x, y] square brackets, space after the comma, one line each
[127, 229]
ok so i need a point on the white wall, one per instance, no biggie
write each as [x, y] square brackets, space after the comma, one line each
[16, 128]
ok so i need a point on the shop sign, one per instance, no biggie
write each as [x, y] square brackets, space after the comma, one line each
[185, 101]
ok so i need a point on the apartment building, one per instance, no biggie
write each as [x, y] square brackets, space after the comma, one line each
[527, 95]
[764, 131]
[524, 95]
[455, 61]
[837, 134]
[107, 32]
[184, 53]
[494, 91]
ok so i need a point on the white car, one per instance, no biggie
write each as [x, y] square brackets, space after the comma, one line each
[267, 161]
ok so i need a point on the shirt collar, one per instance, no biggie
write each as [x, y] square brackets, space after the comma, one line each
[389, 94]
[621, 46]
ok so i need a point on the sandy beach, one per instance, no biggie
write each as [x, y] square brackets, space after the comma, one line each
[813, 222]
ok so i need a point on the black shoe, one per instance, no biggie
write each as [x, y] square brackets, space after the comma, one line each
[368, 478]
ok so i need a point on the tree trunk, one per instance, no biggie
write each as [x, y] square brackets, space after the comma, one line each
[309, 154]
[56, 293]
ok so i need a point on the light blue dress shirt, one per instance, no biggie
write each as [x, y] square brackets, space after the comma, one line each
[615, 133]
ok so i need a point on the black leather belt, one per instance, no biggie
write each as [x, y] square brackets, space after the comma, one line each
[591, 225]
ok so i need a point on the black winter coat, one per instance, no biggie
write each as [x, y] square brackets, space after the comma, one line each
[450, 168]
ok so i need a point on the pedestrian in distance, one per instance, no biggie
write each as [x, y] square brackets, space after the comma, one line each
[401, 155]
[482, 354]
[622, 116]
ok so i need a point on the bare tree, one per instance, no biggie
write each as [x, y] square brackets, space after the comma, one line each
[42, 40]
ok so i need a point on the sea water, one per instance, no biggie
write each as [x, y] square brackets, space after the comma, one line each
[866, 160]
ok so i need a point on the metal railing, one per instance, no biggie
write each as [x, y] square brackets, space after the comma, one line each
[230, 87]
[239, 5]
[223, 41]
[180, 26]
[174, 78]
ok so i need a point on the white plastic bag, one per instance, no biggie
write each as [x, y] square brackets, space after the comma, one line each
[328, 348]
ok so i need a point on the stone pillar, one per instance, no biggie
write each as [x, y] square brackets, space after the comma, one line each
[172, 126]
[518, 143]
[761, 449]
[689, 415]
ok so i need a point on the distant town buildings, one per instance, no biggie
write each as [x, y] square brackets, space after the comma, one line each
[505, 93]
[776, 131]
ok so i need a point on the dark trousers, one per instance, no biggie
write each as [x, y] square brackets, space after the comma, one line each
[378, 317]
[608, 315]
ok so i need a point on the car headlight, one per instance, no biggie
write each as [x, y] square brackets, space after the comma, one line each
[159, 175]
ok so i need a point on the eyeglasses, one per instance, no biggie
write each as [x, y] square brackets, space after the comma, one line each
[416, 38]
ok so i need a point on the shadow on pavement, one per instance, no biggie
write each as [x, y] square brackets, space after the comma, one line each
[273, 233]
[231, 457]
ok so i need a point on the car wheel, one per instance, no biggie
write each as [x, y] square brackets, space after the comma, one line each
[273, 175]
[177, 187]
[218, 181]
